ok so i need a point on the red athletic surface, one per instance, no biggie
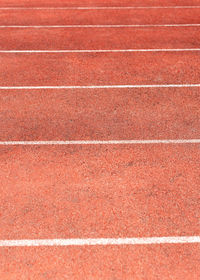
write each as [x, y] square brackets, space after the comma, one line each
[94, 38]
[96, 3]
[164, 262]
[99, 191]
[76, 17]
[75, 69]
[100, 114]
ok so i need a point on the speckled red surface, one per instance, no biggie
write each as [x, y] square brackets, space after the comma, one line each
[138, 262]
[100, 114]
[94, 3]
[99, 69]
[94, 38]
[99, 191]
[129, 16]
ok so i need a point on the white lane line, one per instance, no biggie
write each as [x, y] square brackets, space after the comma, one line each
[100, 142]
[101, 26]
[98, 51]
[100, 241]
[100, 86]
[99, 8]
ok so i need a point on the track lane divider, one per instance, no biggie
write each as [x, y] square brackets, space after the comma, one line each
[100, 51]
[100, 8]
[102, 142]
[100, 241]
[102, 26]
[100, 86]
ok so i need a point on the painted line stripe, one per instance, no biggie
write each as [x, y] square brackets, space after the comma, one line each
[98, 51]
[101, 241]
[100, 86]
[101, 142]
[101, 26]
[99, 8]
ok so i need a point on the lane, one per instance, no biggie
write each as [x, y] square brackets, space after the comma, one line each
[99, 17]
[100, 114]
[99, 191]
[75, 3]
[99, 38]
[155, 262]
[83, 69]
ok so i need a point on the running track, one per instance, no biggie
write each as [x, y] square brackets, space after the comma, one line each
[100, 139]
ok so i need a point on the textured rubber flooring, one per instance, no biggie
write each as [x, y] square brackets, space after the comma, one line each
[127, 83]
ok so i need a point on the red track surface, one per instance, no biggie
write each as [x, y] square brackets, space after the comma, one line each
[140, 262]
[100, 114]
[71, 17]
[94, 38]
[97, 191]
[96, 3]
[99, 69]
